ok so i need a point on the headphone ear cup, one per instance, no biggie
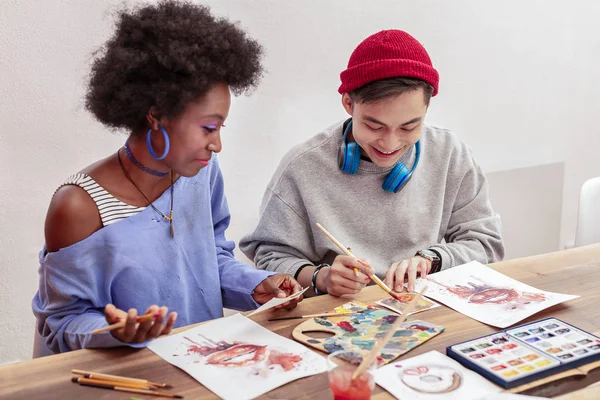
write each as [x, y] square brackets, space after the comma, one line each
[396, 178]
[350, 158]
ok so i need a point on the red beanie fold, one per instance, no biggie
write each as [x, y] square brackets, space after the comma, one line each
[388, 54]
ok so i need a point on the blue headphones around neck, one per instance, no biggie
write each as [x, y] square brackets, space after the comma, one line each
[394, 181]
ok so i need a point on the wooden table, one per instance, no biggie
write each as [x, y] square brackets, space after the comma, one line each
[575, 271]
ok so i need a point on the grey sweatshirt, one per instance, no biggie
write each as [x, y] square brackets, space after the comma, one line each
[445, 206]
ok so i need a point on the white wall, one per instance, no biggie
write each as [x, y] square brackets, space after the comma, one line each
[518, 82]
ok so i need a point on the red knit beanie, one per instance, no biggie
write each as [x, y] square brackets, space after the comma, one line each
[388, 54]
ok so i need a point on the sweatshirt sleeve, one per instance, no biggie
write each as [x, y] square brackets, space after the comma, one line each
[238, 280]
[70, 302]
[474, 230]
[282, 240]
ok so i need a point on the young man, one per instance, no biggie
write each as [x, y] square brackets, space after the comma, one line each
[407, 196]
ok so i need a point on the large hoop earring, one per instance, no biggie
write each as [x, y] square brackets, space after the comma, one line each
[149, 144]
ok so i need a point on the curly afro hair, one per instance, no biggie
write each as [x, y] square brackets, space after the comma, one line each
[166, 56]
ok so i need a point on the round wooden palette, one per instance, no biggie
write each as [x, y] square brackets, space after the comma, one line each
[359, 332]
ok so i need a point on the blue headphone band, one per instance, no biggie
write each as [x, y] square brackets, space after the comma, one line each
[396, 178]
[350, 154]
[347, 130]
[167, 143]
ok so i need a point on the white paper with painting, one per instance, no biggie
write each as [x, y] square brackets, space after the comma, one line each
[236, 358]
[433, 376]
[486, 295]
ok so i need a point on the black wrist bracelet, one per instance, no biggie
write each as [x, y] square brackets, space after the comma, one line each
[438, 268]
[314, 279]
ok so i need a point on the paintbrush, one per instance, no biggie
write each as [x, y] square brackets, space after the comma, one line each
[85, 379]
[121, 324]
[333, 314]
[116, 378]
[334, 240]
[368, 360]
[114, 386]
[347, 251]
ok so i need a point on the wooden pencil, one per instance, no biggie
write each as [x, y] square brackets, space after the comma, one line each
[347, 251]
[114, 386]
[333, 314]
[116, 378]
[121, 324]
[372, 356]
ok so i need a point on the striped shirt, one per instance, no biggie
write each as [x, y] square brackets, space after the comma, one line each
[110, 208]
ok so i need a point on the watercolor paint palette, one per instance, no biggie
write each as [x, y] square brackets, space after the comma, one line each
[360, 332]
[528, 352]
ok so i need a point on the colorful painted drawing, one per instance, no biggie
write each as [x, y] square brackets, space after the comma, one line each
[236, 349]
[432, 375]
[431, 378]
[239, 354]
[486, 295]
[398, 305]
[359, 332]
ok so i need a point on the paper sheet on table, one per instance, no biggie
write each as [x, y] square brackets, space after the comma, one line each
[275, 301]
[431, 376]
[484, 294]
[236, 358]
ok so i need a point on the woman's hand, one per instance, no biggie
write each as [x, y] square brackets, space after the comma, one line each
[139, 332]
[280, 286]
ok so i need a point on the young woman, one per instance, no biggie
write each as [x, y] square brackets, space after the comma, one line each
[146, 226]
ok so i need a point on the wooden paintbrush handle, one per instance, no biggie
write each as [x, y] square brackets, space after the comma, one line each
[345, 249]
[107, 377]
[121, 324]
[117, 387]
[334, 240]
[114, 326]
[116, 378]
[134, 385]
[372, 356]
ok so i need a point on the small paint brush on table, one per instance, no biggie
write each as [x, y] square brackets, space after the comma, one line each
[333, 314]
[116, 386]
[118, 379]
[347, 251]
